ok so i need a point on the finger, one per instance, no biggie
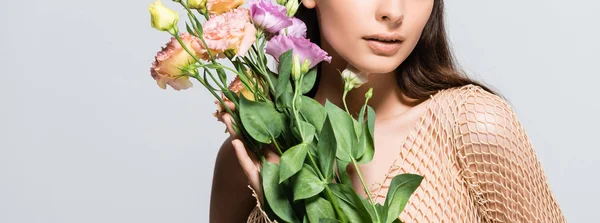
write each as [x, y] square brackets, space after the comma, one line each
[271, 156]
[247, 163]
[228, 120]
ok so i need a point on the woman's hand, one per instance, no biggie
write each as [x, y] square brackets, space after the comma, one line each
[248, 159]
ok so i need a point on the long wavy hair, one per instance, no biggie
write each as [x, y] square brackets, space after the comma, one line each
[429, 68]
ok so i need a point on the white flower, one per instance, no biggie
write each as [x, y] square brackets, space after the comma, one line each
[353, 78]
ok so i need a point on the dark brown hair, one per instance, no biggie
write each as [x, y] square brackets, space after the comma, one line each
[429, 68]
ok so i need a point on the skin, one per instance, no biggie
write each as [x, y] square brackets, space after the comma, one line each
[341, 36]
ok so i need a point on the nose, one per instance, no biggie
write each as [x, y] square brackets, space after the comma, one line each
[391, 11]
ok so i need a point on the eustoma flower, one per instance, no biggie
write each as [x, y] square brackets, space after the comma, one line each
[163, 18]
[230, 31]
[297, 29]
[269, 16]
[354, 78]
[221, 6]
[166, 69]
[196, 4]
[306, 51]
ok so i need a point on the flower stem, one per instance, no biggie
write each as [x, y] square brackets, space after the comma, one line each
[328, 192]
[344, 100]
[276, 145]
[362, 181]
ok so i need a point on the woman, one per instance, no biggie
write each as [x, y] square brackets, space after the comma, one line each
[477, 161]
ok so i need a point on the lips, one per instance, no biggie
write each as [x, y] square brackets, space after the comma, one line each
[385, 37]
[384, 44]
[382, 40]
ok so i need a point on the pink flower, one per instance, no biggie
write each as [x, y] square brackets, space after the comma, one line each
[303, 48]
[230, 30]
[269, 16]
[297, 29]
[166, 68]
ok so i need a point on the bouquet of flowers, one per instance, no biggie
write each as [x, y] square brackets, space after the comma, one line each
[316, 143]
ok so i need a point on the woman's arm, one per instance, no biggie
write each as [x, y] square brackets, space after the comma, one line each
[231, 200]
[499, 163]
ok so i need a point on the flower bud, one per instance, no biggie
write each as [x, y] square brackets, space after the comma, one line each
[353, 78]
[281, 2]
[292, 7]
[296, 68]
[305, 66]
[197, 4]
[369, 94]
[163, 18]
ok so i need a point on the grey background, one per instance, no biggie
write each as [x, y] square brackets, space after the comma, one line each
[87, 136]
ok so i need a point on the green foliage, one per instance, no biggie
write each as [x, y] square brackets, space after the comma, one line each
[275, 194]
[292, 160]
[260, 120]
[307, 184]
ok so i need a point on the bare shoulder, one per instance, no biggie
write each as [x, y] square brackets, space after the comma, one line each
[231, 200]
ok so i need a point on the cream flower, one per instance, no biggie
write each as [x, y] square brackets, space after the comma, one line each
[196, 4]
[166, 69]
[163, 18]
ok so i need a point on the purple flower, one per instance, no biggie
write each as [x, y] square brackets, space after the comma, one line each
[303, 48]
[297, 29]
[268, 16]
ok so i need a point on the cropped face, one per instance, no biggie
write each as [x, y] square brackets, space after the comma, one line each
[375, 36]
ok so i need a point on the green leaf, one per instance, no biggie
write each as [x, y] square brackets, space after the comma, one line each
[328, 220]
[380, 210]
[308, 81]
[274, 79]
[357, 150]
[313, 112]
[291, 161]
[307, 184]
[326, 148]
[275, 194]
[366, 146]
[370, 209]
[285, 68]
[318, 208]
[350, 203]
[190, 31]
[285, 101]
[343, 175]
[366, 141]
[371, 120]
[345, 136]
[261, 120]
[308, 131]
[400, 190]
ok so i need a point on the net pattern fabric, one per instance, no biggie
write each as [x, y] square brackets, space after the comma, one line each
[477, 162]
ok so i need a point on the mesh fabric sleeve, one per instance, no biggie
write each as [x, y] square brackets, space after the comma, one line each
[499, 164]
[258, 215]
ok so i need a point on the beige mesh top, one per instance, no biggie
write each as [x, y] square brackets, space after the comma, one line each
[477, 161]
